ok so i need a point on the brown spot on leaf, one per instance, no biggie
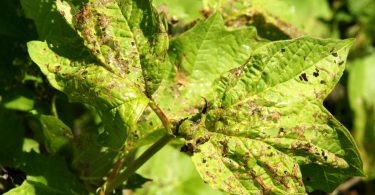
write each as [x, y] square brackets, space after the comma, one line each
[201, 140]
[206, 13]
[275, 116]
[316, 73]
[224, 144]
[189, 149]
[333, 52]
[181, 79]
[260, 182]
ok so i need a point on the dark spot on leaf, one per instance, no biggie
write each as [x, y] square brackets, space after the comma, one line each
[224, 143]
[341, 63]
[303, 76]
[283, 50]
[322, 82]
[58, 68]
[204, 110]
[206, 13]
[188, 148]
[333, 52]
[201, 140]
[204, 160]
[316, 73]
[285, 172]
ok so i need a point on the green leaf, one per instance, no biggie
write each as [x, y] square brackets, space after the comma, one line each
[52, 28]
[361, 91]
[46, 175]
[33, 188]
[151, 39]
[119, 101]
[200, 56]
[182, 11]
[127, 37]
[271, 18]
[177, 177]
[311, 14]
[11, 136]
[57, 136]
[20, 103]
[267, 131]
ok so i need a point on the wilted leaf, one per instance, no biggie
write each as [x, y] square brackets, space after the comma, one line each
[267, 131]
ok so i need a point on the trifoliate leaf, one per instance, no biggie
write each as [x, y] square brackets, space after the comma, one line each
[266, 131]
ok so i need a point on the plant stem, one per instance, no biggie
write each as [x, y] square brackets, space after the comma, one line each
[139, 162]
[116, 179]
[162, 117]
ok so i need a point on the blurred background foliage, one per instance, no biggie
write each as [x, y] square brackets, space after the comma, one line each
[42, 134]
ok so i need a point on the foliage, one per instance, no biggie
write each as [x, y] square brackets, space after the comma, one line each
[231, 92]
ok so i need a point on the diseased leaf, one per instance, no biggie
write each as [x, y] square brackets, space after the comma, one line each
[200, 56]
[127, 37]
[119, 102]
[266, 130]
[151, 39]
[52, 27]
[271, 18]
[197, 58]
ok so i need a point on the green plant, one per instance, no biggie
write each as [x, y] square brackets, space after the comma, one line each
[247, 110]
